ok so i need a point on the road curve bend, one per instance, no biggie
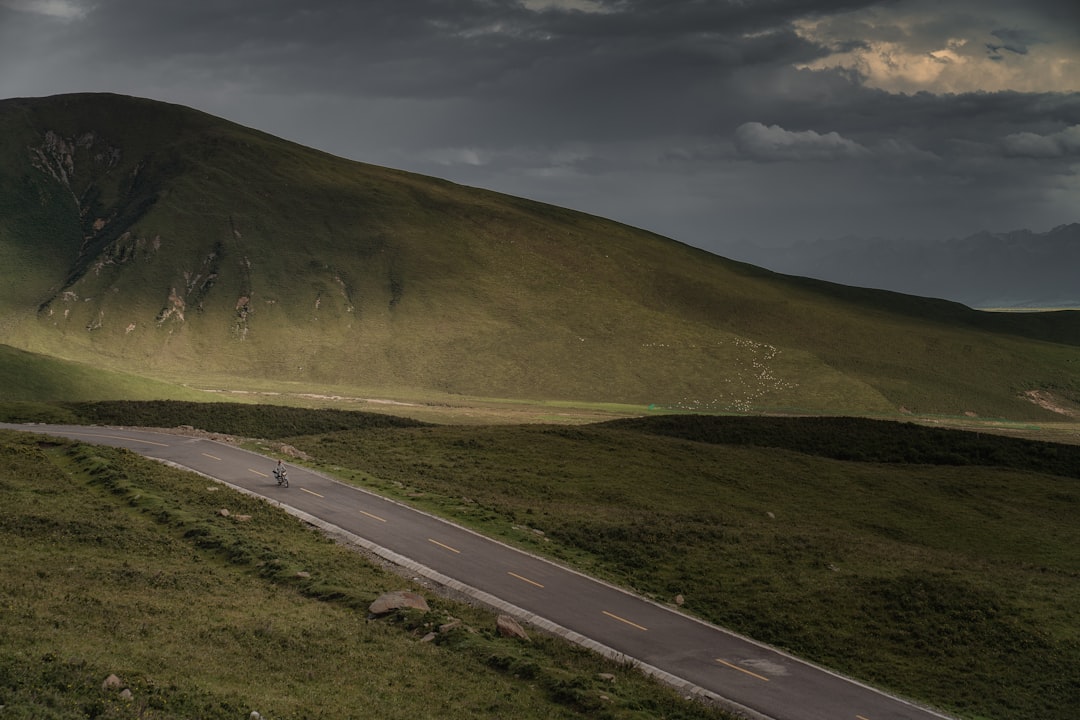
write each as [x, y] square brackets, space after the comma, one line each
[744, 676]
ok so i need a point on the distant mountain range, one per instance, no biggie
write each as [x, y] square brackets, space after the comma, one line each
[1019, 269]
[154, 240]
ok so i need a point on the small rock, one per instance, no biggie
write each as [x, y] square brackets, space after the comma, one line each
[126, 694]
[428, 638]
[303, 574]
[606, 677]
[390, 601]
[508, 627]
[112, 683]
[242, 518]
[452, 625]
[223, 512]
[679, 600]
[771, 515]
[254, 715]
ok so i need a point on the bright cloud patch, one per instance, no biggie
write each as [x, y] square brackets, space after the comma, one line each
[772, 142]
[588, 6]
[458, 156]
[905, 53]
[54, 8]
[1032, 145]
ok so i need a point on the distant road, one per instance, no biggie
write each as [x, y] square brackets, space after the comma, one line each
[744, 676]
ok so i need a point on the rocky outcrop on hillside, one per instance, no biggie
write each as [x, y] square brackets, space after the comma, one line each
[108, 196]
[61, 158]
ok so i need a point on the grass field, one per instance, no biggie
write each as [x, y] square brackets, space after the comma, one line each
[951, 578]
[118, 565]
[943, 565]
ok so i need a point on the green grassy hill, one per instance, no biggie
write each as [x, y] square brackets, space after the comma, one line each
[29, 377]
[153, 239]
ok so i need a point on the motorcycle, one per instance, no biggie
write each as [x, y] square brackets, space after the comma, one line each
[282, 476]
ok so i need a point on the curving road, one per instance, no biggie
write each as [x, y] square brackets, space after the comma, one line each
[743, 676]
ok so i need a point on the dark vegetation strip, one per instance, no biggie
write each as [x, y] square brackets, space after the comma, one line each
[839, 438]
[261, 421]
[864, 440]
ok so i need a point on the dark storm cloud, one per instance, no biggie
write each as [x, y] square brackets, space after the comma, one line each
[475, 50]
[1014, 41]
[459, 39]
[695, 119]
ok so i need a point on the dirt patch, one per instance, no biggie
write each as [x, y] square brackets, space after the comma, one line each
[1047, 401]
[189, 431]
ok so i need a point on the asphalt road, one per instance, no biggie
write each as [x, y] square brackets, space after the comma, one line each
[742, 675]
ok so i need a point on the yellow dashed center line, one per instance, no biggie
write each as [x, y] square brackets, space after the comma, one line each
[257, 472]
[743, 670]
[860, 717]
[373, 517]
[624, 620]
[525, 579]
[444, 546]
[309, 492]
[212, 457]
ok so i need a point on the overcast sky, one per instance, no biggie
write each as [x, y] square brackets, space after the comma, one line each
[715, 122]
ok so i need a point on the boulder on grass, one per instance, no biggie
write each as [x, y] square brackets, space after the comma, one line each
[508, 627]
[388, 602]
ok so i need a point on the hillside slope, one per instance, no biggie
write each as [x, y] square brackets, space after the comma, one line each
[147, 237]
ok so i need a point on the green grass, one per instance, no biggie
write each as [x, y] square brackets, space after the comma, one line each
[940, 564]
[291, 266]
[31, 377]
[953, 580]
[117, 565]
